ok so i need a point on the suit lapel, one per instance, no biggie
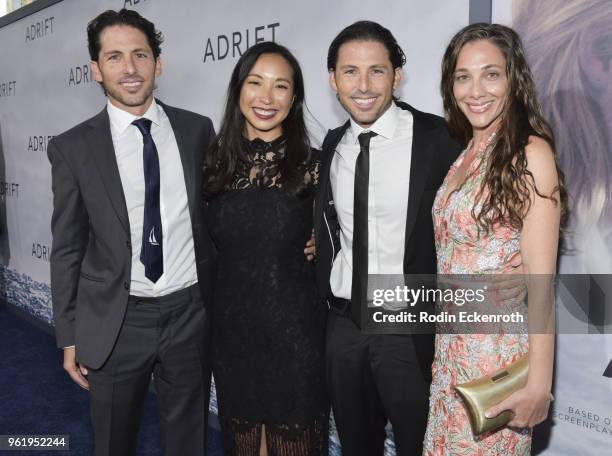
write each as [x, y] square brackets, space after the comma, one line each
[187, 156]
[419, 168]
[325, 196]
[322, 196]
[101, 143]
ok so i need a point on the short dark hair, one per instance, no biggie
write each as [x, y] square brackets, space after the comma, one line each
[122, 17]
[366, 31]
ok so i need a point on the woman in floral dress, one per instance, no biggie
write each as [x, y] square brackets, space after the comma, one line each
[498, 211]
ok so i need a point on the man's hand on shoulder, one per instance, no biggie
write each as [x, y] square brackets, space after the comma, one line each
[77, 372]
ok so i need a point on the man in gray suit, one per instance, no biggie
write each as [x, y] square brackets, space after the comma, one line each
[131, 254]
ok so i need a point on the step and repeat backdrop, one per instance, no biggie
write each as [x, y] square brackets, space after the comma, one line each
[46, 87]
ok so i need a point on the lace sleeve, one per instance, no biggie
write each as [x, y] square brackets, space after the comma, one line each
[312, 177]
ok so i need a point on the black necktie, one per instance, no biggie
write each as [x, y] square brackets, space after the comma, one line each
[152, 253]
[359, 287]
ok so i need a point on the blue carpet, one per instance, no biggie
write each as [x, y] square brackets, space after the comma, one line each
[38, 397]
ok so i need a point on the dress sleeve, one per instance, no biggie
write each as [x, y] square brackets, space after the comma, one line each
[314, 167]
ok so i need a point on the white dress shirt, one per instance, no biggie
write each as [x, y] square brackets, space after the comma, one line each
[179, 256]
[390, 154]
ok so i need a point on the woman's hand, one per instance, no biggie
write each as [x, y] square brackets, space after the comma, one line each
[310, 250]
[529, 406]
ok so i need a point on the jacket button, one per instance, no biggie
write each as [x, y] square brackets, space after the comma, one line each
[126, 285]
[128, 244]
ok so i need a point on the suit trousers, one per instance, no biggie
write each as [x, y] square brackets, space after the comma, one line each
[373, 379]
[166, 337]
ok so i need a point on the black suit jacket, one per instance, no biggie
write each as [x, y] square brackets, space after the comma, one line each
[433, 152]
[91, 257]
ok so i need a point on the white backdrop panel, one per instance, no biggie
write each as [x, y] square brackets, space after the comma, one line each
[557, 35]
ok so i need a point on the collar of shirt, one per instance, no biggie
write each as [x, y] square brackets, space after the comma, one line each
[385, 126]
[121, 120]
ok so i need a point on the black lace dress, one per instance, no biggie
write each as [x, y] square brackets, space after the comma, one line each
[268, 324]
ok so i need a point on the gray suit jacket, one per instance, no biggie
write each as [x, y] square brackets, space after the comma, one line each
[91, 255]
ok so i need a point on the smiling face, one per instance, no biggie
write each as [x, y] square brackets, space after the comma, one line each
[126, 68]
[364, 80]
[480, 85]
[266, 97]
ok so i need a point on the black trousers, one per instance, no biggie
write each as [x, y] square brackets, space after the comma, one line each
[372, 379]
[166, 337]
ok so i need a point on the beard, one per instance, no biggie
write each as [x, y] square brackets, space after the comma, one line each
[361, 117]
[129, 99]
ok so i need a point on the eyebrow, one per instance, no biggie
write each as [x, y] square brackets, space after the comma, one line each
[376, 65]
[277, 79]
[486, 67]
[117, 51]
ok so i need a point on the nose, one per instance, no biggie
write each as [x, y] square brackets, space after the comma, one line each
[364, 82]
[265, 96]
[477, 88]
[129, 66]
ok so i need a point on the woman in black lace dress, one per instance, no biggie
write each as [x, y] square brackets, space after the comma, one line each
[268, 323]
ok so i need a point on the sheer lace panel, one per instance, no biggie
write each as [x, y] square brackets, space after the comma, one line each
[261, 169]
[243, 438]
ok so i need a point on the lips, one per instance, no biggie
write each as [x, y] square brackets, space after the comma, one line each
[364, 103]
[131, 84]
[264, 114]
[480, 107]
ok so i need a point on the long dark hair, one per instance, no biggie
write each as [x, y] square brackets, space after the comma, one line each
[507, 179]
[229, 146]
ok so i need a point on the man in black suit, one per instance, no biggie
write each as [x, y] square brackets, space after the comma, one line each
[130, 261]
[379, 177]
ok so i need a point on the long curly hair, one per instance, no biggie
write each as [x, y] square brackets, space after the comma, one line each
[507, 180]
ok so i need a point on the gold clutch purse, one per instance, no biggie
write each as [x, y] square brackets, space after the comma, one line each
[482, 394]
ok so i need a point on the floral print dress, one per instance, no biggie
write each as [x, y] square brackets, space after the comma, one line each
[459, 358]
